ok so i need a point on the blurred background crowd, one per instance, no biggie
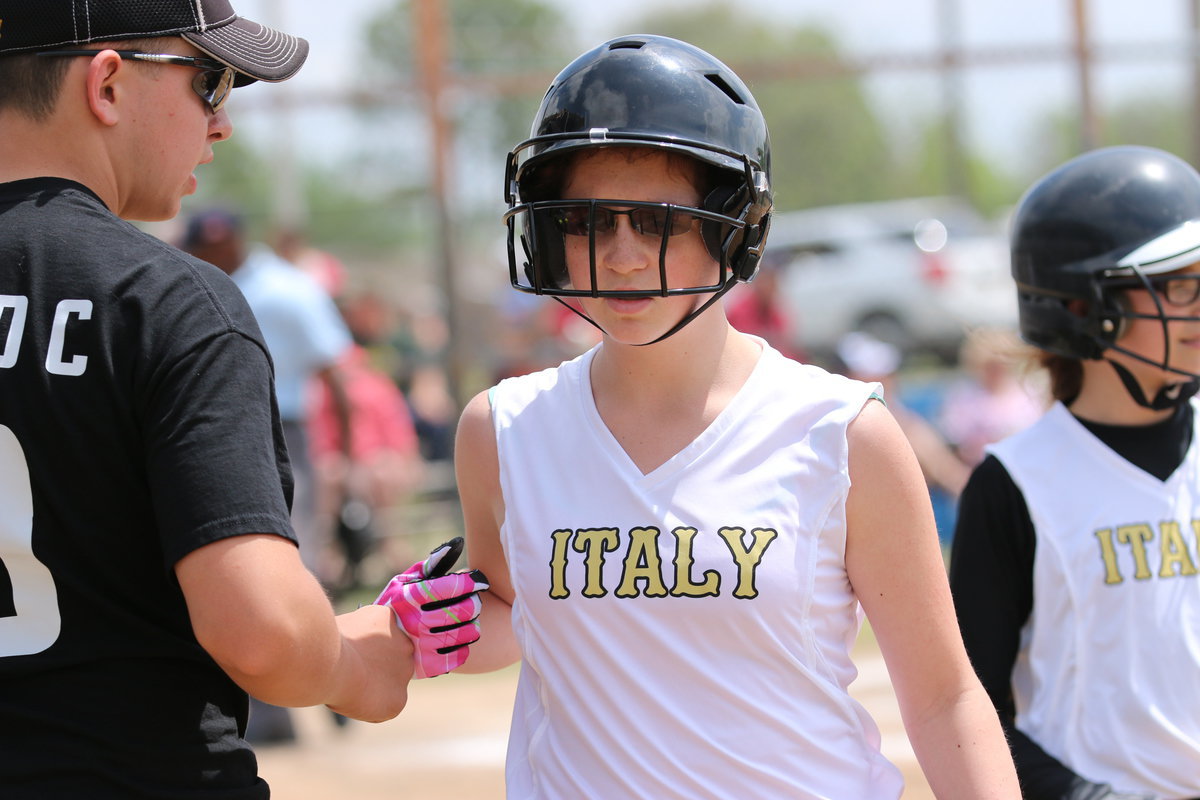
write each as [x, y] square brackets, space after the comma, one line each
[902, 132]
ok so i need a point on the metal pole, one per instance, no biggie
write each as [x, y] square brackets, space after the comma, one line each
[952, 97]
[288, 208]
[1089, 123]
[430, 24]
[1193, 7]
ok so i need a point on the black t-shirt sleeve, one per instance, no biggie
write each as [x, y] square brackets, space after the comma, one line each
[991, 577]
[215, 453]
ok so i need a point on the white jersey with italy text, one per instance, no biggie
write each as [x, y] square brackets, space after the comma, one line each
[1107, 679]
[685, 633]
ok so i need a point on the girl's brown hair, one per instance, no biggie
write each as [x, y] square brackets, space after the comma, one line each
[1066, 376]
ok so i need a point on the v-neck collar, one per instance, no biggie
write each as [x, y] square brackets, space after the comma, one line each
[691, 451]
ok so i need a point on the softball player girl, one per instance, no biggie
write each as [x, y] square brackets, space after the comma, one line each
[1074, 565]
[676, 554]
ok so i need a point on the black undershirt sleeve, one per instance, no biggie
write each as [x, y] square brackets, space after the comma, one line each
[991, 577]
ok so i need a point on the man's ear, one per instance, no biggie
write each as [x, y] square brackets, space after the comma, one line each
[105, 77]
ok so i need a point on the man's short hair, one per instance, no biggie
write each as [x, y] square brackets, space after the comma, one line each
[30, 85]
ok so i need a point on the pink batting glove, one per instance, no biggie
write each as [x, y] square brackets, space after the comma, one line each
[438, 609]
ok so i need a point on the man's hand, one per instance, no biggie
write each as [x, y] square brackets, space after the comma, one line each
[375, 687]
[438, 609]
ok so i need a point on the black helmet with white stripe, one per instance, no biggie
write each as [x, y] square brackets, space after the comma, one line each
[1107, 221]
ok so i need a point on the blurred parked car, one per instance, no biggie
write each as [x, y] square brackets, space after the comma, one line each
[917, 273]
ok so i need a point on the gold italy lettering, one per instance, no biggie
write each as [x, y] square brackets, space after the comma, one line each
[1174, 552]
[558, 564]
[1112, 574]
[747, 560]
[642, 562]
[684, 585]
[593, 542]
[1136, 537]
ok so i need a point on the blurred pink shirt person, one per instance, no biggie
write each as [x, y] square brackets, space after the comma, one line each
[383, 456]
[992, 402]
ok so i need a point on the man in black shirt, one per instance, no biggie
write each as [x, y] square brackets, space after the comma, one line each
[149, 576]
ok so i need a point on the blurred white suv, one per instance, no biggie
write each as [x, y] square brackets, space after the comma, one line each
[918, 273]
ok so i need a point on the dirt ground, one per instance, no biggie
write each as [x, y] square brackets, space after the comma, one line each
[450, 742]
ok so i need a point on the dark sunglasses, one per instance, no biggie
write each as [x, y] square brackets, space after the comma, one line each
[649, 220]
[213, 83]
[1176, 290]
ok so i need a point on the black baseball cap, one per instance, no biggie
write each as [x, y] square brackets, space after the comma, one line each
[210, 226]
[255, 51]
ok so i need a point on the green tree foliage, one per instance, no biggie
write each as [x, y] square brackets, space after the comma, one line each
[502, 53]
[1160, 121]
[927, 172]
[242, 178]
[827, 145]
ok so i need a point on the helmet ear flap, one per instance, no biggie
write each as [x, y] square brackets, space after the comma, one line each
[719, 201]
[1113, 318]
[1051, 323]
[741, 244]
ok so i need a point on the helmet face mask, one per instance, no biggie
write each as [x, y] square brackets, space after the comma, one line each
[552, 223]
[651, 93]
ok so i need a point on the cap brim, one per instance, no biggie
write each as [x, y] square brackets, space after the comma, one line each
[256, 52]
[1175, 249]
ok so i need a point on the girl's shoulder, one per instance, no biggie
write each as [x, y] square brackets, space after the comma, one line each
[816, 382]
[518, 391]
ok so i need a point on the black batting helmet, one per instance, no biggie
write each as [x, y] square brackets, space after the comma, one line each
[1107, 221]
[1102, 222]
[648, 92]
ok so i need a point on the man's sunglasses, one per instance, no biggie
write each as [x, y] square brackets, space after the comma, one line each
[213, 83]
[1176, 290]
[650, 219]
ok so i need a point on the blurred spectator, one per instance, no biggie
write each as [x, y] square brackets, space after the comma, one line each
[323, 267]
[306, 337]
[359, 484]
[378, 469]
[867, 359]
[371, 320]
[991, 400]
[756, 308]
[434, 411]
[536, 333]
[422, 347]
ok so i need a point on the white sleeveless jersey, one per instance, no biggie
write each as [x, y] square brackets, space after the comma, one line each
[1107, 679]
[685, 633]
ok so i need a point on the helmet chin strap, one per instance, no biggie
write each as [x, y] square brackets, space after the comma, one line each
[694, 313]
[1170, 396]
[717, 295]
